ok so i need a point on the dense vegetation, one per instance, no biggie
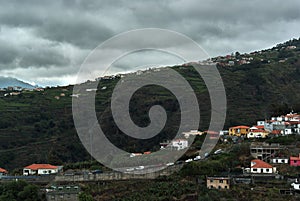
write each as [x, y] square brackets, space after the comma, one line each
[19, 191]
[36, 127]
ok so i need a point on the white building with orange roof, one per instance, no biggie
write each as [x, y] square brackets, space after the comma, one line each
[261, 167]
[3, 172]
[40, 169]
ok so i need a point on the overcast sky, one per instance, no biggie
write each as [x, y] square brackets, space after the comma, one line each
[45, 42]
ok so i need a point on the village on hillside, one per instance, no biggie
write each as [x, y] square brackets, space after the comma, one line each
[269, 160]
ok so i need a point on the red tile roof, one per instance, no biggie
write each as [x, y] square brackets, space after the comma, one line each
[260, 127]
[294, 158]
[276, 132]
[40, 166]
[259, 131]
[260, 164]
[245, 127]
[3, 171]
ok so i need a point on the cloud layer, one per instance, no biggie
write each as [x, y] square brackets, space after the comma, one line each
[46, 41]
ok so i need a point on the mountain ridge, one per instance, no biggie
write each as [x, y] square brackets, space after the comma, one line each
[14, 82]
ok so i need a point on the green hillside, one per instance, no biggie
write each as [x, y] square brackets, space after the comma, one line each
[38, 127]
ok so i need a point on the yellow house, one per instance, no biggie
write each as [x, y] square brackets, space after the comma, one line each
[239, 130]
[217, 182]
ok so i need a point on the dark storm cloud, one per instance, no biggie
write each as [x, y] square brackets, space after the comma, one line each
[59, 34]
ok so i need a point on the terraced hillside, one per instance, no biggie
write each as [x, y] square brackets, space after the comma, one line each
[38, 126]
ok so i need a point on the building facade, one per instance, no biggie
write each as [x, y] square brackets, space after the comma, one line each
[261, 167]
[40, 169]
[218, 182]
[239, 131]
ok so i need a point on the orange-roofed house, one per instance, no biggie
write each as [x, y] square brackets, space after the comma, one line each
[3, 172]
[239, 131]
[40, 169]
[257, 133]
[295, 161]
[261, 167]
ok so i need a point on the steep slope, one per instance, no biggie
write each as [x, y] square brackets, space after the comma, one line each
[36, 127]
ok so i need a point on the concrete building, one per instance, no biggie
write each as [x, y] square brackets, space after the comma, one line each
[62, 193]
[264, 151]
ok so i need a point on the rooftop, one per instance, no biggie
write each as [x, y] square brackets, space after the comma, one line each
[40, 166]
[260, 164]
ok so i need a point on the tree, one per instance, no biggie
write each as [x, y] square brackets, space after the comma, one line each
[85, 197]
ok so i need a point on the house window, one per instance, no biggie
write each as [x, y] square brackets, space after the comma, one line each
[226, 187]
[211, 181]
[254, 170]
[211, 186]
[282, 160]
[276, 161]
[267, 170]
[221, 181]
[219, 187]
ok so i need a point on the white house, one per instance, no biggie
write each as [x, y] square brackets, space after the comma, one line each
[296, 185]
[179, 144]
[288, 131]
[192, 132]
[279, 160]
[260, 123]
[40, 169]
[261, 167]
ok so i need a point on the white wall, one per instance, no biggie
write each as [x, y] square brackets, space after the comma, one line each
[262, 170]
[47, 171]
[280, 160]
[39, 172]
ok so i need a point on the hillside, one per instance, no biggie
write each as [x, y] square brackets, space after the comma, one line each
[9, 81]
[38, 126]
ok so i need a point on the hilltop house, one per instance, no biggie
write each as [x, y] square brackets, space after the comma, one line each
[261, 167]
[40, 169]
[239, 131]
[218, 182]
[3, 172]
[295, 161]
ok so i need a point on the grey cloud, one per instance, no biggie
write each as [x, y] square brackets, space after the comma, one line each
[220, 27]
